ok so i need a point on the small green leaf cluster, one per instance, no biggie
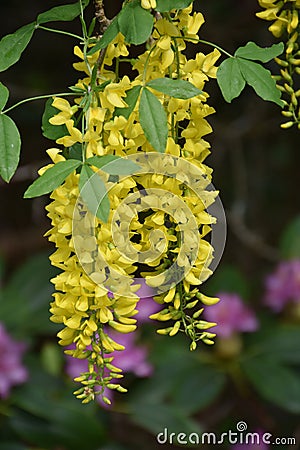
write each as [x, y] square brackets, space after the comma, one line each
[11, 49]
[241, 69]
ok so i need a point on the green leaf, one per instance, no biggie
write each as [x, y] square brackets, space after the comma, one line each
[135, 23]
[50, 131]
[157, 417]
[230, 79]
[197, 388]
[53, 415]
[290, 240]
[108, 36]
[28, 293]
[94, 77]
[153, 120]
[168, 5]
[100, 161]
[10, 144]
[182, 379]
[284, 338]
[4, 94]
[263, 54]
[62, 13]
[174, 88]
[92, 26]
[13, 45]
[73, 152]
[12, 446]
[93, 193]
[114, 165]
[274, 382]
[131, 98]
[52, 178]
[261, 80]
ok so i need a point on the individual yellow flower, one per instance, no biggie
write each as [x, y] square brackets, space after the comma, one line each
[115, 49]
[113, 95]
[86, 65]
[148, 4]
[115, 127]
[194, 23]
[67, 111]
[74, 136]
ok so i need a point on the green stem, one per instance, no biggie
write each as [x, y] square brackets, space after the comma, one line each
[101, 58]
[83, 145]
[129, 60]
[83, 25]
[117, 69]
[177, 57]
[52, 30]
[211, 44]
[146, 64]
[217, 47]
[38, 97]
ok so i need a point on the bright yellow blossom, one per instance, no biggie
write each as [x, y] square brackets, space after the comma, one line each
[74, 136]
[148, 4]
[165, 231]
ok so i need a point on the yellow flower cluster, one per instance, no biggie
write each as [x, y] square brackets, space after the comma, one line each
[82, 302]
[283, 13]
[285, 17]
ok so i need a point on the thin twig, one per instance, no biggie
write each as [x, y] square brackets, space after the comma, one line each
[100, 15]
[104, 23]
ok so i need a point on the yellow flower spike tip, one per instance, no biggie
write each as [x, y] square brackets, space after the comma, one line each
[285, 17]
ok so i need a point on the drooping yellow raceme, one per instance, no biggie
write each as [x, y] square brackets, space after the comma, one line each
[83, 302]
[285, 17]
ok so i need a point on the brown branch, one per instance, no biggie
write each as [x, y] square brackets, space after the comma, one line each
[104, 23]
[100, 15]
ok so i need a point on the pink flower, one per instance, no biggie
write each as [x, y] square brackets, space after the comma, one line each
[11, 369]
[231, 314]
[146, 305]
[283, 285]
